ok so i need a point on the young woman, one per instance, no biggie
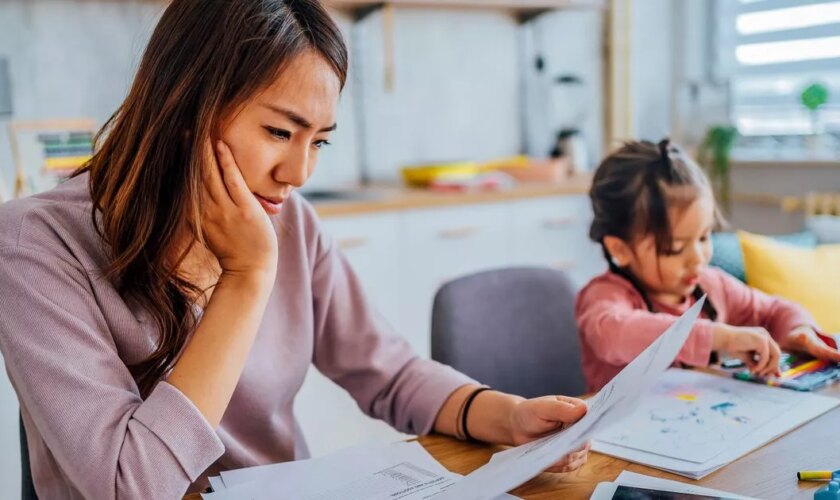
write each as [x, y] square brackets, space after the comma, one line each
[160, 309]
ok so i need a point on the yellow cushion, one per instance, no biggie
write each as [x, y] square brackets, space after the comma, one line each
[809, 277]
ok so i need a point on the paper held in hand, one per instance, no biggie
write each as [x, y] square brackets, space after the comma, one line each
[513, 467]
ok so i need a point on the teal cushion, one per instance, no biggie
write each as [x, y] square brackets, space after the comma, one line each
[728, 256]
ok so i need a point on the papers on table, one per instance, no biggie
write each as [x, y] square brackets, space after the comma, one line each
[399, 471]
[510, 468]
[627, 478]
[694, 423]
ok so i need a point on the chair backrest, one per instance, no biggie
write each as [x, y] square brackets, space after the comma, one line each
[27, 486]
[513, 329]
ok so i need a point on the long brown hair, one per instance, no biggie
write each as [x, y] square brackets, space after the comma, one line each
[205, 58]
[631, 192]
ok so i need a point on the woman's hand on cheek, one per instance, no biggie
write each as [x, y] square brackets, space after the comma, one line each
[235, 226]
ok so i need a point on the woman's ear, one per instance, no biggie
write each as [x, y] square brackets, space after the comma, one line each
[619, 250]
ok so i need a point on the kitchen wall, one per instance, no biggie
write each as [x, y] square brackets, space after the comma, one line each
[458, 87]
[70, 58]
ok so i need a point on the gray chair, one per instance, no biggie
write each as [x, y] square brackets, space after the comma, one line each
[512, 329]
[27, 486]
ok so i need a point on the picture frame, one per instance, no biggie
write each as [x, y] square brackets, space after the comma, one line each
[46, 152]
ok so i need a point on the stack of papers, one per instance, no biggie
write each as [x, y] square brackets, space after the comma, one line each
[694, 423]
[398, 471]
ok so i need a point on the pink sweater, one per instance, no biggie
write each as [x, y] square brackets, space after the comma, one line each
[615, 325]
[66, 338]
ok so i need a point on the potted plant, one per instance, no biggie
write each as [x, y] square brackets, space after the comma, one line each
[814, 97]
[715, 154]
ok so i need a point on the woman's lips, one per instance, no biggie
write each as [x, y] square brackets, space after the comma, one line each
[270, 205]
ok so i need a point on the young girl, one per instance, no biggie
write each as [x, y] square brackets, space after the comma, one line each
[653, 215]
[159, 311]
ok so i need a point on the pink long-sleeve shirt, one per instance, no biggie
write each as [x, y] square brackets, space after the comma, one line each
[66, 337]
[615, 325]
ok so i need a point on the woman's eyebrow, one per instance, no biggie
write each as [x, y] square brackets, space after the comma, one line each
[297, 119]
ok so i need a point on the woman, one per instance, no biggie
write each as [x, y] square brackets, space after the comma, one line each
[160, 309]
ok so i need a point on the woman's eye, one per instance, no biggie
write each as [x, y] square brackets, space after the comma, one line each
[320, 144]
[674, 251]
[279, 133]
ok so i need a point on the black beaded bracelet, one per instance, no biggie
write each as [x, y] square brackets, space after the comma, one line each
[470, 399]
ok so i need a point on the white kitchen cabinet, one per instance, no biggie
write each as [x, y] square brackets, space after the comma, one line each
[554, 232]
[328, 416]
[371, 244]
[440, 245]
[545, 232]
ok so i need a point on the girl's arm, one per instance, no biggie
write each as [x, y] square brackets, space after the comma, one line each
[789, 323]
[618, 329]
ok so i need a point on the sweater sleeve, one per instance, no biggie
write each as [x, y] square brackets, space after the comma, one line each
[81, 397]
[356, 348]
[617, 330]
[746, 306]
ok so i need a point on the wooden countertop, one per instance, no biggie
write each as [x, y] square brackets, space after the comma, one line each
[390, 198]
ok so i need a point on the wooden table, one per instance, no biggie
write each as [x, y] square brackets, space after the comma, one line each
[767, 473]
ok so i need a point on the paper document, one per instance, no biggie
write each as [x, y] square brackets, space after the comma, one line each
[693, 423]
[399, 471]
[512, 467]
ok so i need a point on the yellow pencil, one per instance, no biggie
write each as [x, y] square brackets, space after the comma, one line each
[803, 368]
[811, 475]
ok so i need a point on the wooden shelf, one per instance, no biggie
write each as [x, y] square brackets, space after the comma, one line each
[522, 7]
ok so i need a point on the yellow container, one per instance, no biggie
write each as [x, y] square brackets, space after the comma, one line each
[520, 161]
[422, 175]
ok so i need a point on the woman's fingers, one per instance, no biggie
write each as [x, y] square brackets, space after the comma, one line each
[212, 176]
[570, 463]
[559, 409]
[235, 184]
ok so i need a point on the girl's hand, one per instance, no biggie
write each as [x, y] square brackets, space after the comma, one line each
[534, 418]
[752, 345]
[805, 339]
[235, 226]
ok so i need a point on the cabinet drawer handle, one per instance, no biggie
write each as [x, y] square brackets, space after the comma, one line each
[350, 243]
[558, 222]
[458, 232]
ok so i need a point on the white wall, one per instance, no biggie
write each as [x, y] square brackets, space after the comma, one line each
[571, 43]
[70, 58]
[77, 58]
[700, 100]
[652, 46]
[458, 91]
[455, 93]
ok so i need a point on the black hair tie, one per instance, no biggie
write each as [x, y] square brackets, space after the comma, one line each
[664, 151]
